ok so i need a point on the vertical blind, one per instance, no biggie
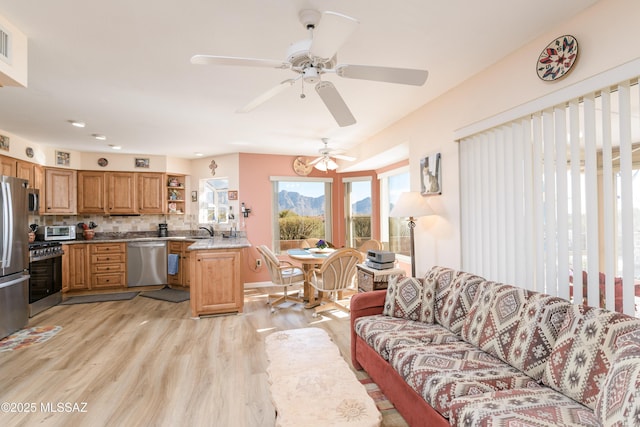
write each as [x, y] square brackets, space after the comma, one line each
[547, 200]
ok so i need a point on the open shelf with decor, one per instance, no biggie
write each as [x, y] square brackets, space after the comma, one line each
[175, 194]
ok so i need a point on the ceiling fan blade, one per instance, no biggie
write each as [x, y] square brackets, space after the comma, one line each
[343, 157]
[405, 76]
[331, 33]
[334, 102]
[267, 95]
[232, 60]
[316, 160]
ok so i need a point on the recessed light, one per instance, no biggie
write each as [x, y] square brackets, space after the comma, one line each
[199, 154]
[98, 136]
[77, 123]
[115, 147]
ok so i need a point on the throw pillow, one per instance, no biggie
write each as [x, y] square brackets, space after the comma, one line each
[404, 298]
[453, 306]
[584, 352]
[619, 401]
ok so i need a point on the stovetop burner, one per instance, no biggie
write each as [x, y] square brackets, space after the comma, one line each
[43, 244]
[41, 250]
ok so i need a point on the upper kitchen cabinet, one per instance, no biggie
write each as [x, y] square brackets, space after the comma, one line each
[91, 192]
[175, 194]
[60, 191]
[25, 170]
[7, 166]
[151, 193]
[121, 193]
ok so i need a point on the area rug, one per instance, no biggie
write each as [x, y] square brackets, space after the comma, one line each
[84, 299]
[390, 416]
[27, 337]
[167, 294]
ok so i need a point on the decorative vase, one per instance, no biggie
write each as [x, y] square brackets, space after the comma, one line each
[88, 234]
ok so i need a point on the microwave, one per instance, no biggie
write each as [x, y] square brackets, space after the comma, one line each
[59, 232]
[34, 200]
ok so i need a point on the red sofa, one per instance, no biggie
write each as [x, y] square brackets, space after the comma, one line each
[455, 349]
[414, 409]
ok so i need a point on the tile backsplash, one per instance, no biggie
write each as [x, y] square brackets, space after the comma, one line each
[121, 224]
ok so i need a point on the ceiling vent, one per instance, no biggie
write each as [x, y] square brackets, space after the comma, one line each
[5, 45]
[13, 55]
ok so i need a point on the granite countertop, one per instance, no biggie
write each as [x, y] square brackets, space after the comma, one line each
[199, 242]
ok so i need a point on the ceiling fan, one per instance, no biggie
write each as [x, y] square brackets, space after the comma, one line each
[325, 162]
[311, 58]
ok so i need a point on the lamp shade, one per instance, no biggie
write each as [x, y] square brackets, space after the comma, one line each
[326, 164]
[411, 204]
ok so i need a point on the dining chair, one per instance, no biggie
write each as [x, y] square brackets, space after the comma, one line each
[282, 273]
[370, 245]
[336, 274]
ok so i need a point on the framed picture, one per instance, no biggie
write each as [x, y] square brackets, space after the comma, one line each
[194, 196]
[142, 163]
[63, 158]
[431, 175]
[4, 143]
[233, 194]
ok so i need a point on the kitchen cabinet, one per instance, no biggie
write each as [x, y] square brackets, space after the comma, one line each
[216, 285]
[151, 193]
[91, 192]
[25, 170]
[60, 191]
[175, 194]
[180, 249]
[108, 265]
[7, 166]
[121, 193]
[75, 267]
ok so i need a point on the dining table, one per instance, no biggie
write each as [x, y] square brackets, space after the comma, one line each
[309, 258]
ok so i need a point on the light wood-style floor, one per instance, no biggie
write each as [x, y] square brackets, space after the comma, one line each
[145, 362]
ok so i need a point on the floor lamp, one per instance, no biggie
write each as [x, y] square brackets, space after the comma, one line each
[411, 205]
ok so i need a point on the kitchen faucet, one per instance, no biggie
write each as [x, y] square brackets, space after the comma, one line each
[209, 230]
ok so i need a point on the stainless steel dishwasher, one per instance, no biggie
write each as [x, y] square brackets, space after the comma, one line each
[146, 263]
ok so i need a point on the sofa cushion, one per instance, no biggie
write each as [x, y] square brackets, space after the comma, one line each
[384, 333]
[536, 334]
[494, 318]
[440, 373]
[540, 407]
[404, 298]
[437, 280]
[454, 298]
[618, 403]
[584, 350]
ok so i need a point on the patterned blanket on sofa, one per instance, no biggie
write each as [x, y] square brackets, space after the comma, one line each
[486, 353]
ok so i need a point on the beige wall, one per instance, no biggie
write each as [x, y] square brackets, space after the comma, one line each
[508, 84]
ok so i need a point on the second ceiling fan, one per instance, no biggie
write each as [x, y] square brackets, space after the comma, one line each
[312, 57]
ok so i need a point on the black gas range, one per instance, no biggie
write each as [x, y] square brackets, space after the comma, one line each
[45, 269]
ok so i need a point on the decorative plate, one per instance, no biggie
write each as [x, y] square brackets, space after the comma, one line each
[557, 58]
[301, 167]
[103, 162]
[29, 152]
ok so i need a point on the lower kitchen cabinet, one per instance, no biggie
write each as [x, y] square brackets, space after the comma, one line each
[216, 285]
[75, 267]
[108, 265]
[182, 278]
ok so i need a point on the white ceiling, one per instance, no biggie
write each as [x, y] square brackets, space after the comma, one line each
[123, 67]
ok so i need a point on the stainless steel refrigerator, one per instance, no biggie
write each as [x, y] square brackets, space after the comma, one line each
[14, 256]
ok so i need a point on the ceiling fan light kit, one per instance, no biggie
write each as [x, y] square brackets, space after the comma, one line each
[311, 58]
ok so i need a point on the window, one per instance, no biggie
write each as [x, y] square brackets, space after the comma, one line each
[302, 210]
[551, 199]
[214, 202]
[394, 231]
[357, 207]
